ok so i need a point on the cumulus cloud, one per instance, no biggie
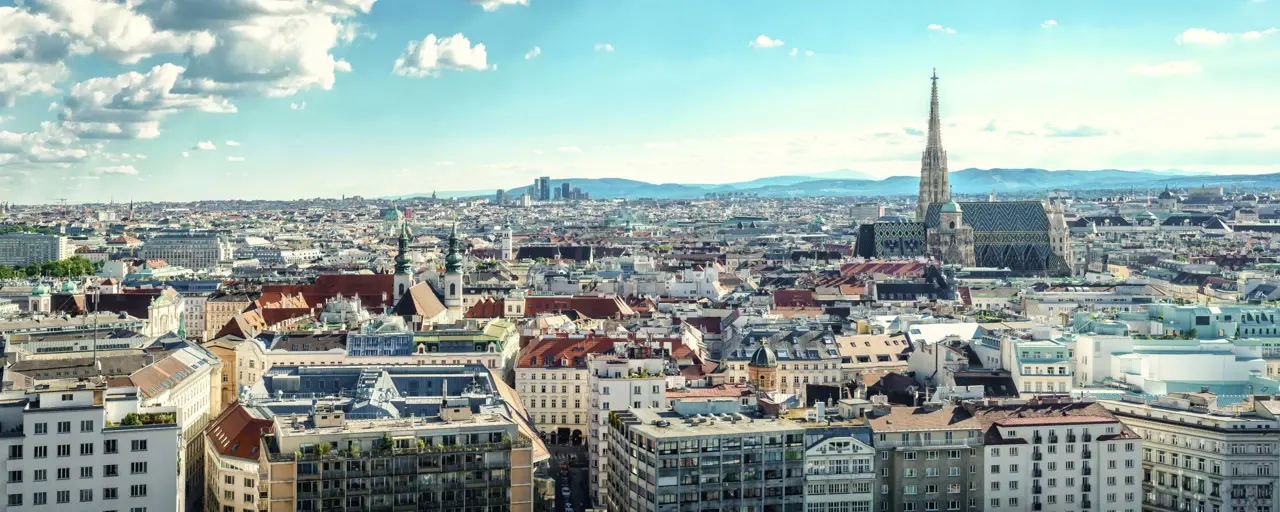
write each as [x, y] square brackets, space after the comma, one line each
[1173, 67]
[939, 28]
[493, 5]
[808, 53]
[536, 51]
[430, 55]
[235, 159]
[604, 47]
[569, 149]
[233, 143]
[204, 145]
[298, 106]
[50, 144]
[1049, 24]
[185, 154]
[131, 105]
[117, 169]
[1207, 37]
[763, 41]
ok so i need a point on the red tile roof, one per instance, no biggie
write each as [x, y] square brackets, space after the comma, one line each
[374, 290]
[793, 298]
[236, 433]
[486, 307]
[556, 350]
[893, 268]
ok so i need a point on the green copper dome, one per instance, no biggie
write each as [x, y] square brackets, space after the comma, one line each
[39, 290]
[453, 260]
[951, 207]
[763, 358]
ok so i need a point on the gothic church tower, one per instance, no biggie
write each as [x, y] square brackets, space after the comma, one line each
[934, 185]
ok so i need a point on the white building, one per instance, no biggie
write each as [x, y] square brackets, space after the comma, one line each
[839, 473]
[1058, 455]
[1201, 457]
[618, 383]
[190, 248]
[193, 319]
[19, 249]
[66, 449]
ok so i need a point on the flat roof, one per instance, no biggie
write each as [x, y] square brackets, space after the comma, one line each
[681, 426]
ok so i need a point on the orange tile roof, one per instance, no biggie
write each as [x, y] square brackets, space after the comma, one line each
[236, 433]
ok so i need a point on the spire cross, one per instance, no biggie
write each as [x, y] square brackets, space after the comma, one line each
[935, 73]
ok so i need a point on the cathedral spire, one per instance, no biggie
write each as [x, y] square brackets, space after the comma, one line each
[935, 121]
[934, 182]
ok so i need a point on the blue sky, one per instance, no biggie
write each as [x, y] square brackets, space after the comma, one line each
[310, 96]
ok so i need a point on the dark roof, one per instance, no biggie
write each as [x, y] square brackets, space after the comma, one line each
[763, 358]
[1004, 216]
[994, 384]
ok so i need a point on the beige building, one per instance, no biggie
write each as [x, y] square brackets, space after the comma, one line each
[220, 310]
[243, 364]
[233, 460]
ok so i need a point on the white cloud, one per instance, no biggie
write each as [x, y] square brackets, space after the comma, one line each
[430, 55]
[298, 106]
[131, 105]
[233, 143]
[185, 154]
[204, 145]
[1049, 24]
[604, 47]
[536, 51]
[808, 53]
[444, 164]
[1204, 36]
[51, 144]
[939, 28]
[1173, 67]
[794, 51]
[117, 169]
[569, 149]
[235, 159]
[115, 31]
[763, 41]
[493, 5]
[4, 119]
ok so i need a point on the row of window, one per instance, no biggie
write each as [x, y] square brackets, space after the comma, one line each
[109, 446]
[86, 495]
[108, 470]
[64, 427]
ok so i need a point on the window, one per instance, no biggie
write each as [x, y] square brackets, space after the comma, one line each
[41, 452]
[64, 427]
[229, 480]
[67, 397]
[64, 473]
[138, 490]
[41, 475]
[15, 476]
[15, 500]
[64, 496]
[64, 450]
[42, 428]
[86, 472]
[110, 493]
[139, 445]
[86, 495]
[137, 468]
[86, 425]
[110, 446]
[110, 470]
[39, 498]
[86, 449]
[15, 451]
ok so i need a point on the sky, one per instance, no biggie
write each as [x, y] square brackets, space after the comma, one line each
[176, 100]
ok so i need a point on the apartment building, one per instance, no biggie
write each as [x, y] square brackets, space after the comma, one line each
[1202, 457]
[927, 458]
[76, 445]
[190, 248]
[188, 380]
[243, 364]
[459, 459]
[21, 249]
[221, 309]
[1040, 366]
[631, 380]
[667, 461]
[233, 460]
[805, 354]
[839, 464]
[1057, 454]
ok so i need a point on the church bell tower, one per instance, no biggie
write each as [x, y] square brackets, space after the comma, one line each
[935, 186]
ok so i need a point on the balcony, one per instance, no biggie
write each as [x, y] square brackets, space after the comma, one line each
[1036, 455]
[1086, 487]
[1088, 438]
[1086, 504]
[1071, 438]
[1036, 506]
[1036, 473]
[1053, 438]
[1037, 439]
[1087, 453]
[1035, 489]
[1086, 471]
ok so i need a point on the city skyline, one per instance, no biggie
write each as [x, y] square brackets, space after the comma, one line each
[182, 100]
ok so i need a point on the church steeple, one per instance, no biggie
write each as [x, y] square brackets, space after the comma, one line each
[453, 260]
[402, 254]
[934, 182]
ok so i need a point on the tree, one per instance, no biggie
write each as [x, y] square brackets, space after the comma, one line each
[1193, 334]
[131, 419]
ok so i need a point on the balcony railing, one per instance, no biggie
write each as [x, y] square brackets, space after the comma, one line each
[1036, 505]
[1035, 489]
[1036, 473]
[1036, 455]
[1071, 438]
[1053, 438]
[1086, 488]
[1088, 438]
[1087, 453]
[1037, 440]
[1086, 471]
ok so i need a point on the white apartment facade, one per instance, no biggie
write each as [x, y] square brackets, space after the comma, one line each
[20, 249]
[1199, 457]
[556, 399]
[72, 453]
[1051, 460]
[839, 475]
[618, 383]
[193, 249]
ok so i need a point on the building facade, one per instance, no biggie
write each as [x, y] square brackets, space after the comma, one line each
[190, 248]
[618, 383]
[927, 458]
[21, 249]
[935, 187]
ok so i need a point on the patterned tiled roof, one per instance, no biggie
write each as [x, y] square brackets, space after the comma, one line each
[1006, 216]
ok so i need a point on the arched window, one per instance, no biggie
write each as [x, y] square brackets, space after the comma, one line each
[401, 288]
[453, 289]
[953, 224]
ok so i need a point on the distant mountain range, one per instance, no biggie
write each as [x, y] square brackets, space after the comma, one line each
[846, 182]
